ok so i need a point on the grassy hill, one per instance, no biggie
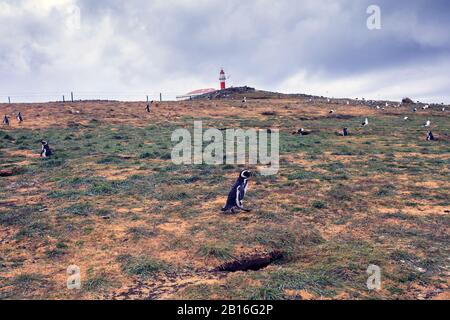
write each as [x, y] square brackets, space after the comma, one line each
[139, 227]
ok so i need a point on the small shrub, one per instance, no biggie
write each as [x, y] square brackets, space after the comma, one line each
[143, 267]
[221, 253]
[318, 204]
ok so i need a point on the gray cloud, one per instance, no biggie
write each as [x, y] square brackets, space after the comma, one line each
[139, 46]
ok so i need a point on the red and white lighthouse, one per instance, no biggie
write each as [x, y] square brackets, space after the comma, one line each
[222, 80]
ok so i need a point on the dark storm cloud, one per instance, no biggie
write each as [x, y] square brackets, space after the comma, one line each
[174, 46]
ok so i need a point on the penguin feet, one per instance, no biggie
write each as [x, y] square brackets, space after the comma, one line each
[228, 211]
[233, 210]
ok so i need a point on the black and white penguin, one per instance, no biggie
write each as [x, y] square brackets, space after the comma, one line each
[19, 117]
[6, 120]
[302, 132]
[46, 151]
[427, 124]
[365, 123]
[430, 136]
[237, 193]
[331, 112]
[414, 110]
[343, 133]
[149, 104]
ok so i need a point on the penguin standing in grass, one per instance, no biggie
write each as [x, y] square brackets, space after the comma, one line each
[365, 123]
[147, 108]
[6, 120]
[19, 117]
[430, 136]
[343, 133]
[237, 193]
[46, 151]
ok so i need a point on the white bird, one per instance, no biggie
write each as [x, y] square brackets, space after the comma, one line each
[427, 124]
[405, 118]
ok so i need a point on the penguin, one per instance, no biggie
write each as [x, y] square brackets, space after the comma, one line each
[19, 117]
[6, 120]
[244, 100]
[430, 136]
[414, 110]
[237, 193]
[46, 151]
[365, 123]
[302, 132]
[332, 111]
[147, 108]
[427, 124]
[405, 118]
[343, 133]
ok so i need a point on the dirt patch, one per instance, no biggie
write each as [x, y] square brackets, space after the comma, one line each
[254, 263]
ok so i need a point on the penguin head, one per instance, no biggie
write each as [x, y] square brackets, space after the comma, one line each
[245, 174]
[44, 142]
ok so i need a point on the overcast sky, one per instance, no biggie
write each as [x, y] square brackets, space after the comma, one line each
[126, 49]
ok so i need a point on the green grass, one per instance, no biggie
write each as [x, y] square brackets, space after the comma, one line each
[143, 266]
[219, 252]
[325, 216]
[82, 209]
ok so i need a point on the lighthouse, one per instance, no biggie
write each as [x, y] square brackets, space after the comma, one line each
[222, 79]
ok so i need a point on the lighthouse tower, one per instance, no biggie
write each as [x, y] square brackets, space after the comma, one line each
[222, 80]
